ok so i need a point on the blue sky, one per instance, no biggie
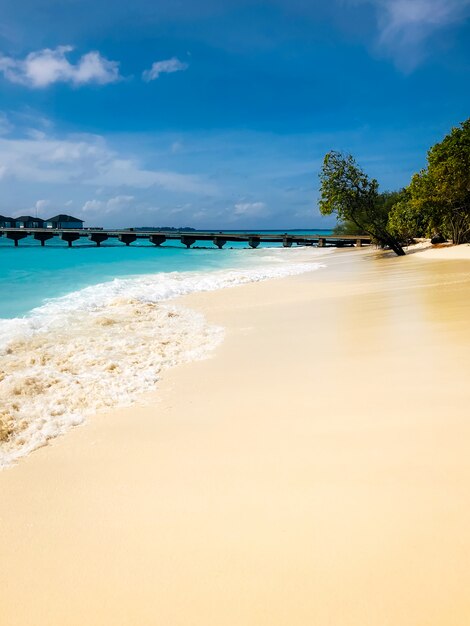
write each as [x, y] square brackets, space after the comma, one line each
[218, 115]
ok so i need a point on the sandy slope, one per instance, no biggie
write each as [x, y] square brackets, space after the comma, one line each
[315, 471]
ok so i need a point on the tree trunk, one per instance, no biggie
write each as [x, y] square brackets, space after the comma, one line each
[460, 226]
[397, 248]
[384, 238]
[387, 239]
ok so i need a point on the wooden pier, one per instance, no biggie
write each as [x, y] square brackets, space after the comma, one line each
[187, 238]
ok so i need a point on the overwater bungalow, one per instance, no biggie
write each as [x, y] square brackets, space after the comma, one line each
[27, 221]
[63, 221]
[7, 222]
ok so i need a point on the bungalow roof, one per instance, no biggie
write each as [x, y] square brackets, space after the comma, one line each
[28, 218]
[63, 218]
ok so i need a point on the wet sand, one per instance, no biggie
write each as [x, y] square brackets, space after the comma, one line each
[316, 470]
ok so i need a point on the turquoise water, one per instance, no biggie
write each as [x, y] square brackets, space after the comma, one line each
[31, 274]
[86, 329]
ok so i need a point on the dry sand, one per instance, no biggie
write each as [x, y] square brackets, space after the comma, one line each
[315, 471]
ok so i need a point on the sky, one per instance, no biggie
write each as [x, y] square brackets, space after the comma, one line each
[218, 114]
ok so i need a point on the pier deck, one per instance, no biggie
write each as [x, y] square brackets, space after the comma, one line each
[187, 238]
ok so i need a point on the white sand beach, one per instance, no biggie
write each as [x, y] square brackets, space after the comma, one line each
[314, 470]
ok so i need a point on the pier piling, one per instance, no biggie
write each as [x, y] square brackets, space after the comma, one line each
[187, 240]
[219, 242]
[254, 242]
[43, 237]
[157, 239]
[16, 235]
[70, 237]
[127, 238]
[98, 238]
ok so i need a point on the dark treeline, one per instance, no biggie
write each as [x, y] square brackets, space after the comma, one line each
[164, 228]
[435, 204]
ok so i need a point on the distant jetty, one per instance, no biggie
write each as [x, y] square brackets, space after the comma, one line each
[187, 238]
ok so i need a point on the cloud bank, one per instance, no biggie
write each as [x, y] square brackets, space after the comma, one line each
[48, 66]
[87, 160]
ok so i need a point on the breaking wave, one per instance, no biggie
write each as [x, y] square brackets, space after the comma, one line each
[102, 347]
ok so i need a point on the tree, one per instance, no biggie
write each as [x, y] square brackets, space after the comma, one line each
[410, 218]
[347, 227]
[442, 190]
[439, 195]
[347, 191]
[385, 203]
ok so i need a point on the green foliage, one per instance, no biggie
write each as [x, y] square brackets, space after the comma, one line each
[385, 202]
[407, 222]
[439, 196]
[347, 228]
[413, 216]
[345, 189]
[449, 168]
[354, 197]
[388, 199]
[437, 200]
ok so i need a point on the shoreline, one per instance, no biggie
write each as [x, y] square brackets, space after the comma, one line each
[103, 346]
[313, 470]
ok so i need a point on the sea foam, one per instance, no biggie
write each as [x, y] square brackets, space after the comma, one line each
[103, 347]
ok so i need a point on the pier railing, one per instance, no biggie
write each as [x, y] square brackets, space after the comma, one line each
[187, 238]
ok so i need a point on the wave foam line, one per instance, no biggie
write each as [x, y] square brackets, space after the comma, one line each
[102, 347]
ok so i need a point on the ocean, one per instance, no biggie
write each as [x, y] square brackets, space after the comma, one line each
[85, 329]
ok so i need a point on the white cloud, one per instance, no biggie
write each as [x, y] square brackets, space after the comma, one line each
[127, 172]
[87, 160]
[250, 208]
[40, 205]
[93, 206]
[38, 208]
[405, 26]
[46, 67]
[105, 207]
[164, 67]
